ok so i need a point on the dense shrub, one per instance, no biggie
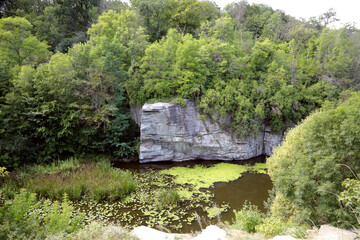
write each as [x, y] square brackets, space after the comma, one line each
[313, 161]
[271, 226]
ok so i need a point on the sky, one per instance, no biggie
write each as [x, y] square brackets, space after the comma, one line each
[347, 10]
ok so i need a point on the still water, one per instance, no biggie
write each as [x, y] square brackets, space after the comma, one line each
[250, 187]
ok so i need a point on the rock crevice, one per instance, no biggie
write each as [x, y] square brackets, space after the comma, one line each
[170, 132]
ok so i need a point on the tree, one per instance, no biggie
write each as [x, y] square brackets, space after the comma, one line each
[338, 54]
[18, 45]
[124, 30]
[48, 28]
[300, 35]
[328, 17]
[184, 15]
[76, 14]
[10, 8]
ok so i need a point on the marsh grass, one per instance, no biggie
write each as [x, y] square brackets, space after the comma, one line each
[167, 197]
[96, 180]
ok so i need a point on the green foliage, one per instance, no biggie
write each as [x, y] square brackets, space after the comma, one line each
[76, 102]
[18, 46]
[70, 164]
[185, 15]
[120, 31]
[271, 226]
[308, 168]
[350, 196]
[338, 54]
[58, 216]
[3, 172]
[26, 218]
[265, 85]
[95, 180]
[247, 218]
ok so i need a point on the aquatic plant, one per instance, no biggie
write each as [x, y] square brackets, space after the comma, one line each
[204, 177]
[215, 211]
[167, 197]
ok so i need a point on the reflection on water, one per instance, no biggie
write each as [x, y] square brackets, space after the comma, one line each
[250, 187]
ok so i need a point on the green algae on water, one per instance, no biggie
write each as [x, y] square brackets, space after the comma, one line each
[191, 183]
[205, 177]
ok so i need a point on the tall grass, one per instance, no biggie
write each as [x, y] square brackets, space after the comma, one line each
[70, 164]
[96, 180]
[166, 198]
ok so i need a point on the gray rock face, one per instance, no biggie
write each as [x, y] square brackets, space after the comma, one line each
[170, 132]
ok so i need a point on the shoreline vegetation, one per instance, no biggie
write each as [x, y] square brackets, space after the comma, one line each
[35, 204]
[95, 180]
[164, 197]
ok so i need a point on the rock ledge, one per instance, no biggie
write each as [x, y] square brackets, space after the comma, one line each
[170, 132]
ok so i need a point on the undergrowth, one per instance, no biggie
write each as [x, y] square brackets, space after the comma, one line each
[96, 180]
[27, 218]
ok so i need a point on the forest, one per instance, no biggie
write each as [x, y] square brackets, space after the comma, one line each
[70, 69]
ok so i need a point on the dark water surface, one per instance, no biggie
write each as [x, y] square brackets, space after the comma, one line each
[251, 187]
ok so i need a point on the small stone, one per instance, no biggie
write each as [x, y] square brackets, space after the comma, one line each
[211, 233]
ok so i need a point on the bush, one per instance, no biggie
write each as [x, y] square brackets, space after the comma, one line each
[247, 218]
[313, 161]
[26, 218]
[271, 226]
[282, 208]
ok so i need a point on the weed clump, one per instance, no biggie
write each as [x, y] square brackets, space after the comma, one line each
[167, 197]
[248, 218]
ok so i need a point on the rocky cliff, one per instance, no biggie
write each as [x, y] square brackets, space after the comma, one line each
[175, 133]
